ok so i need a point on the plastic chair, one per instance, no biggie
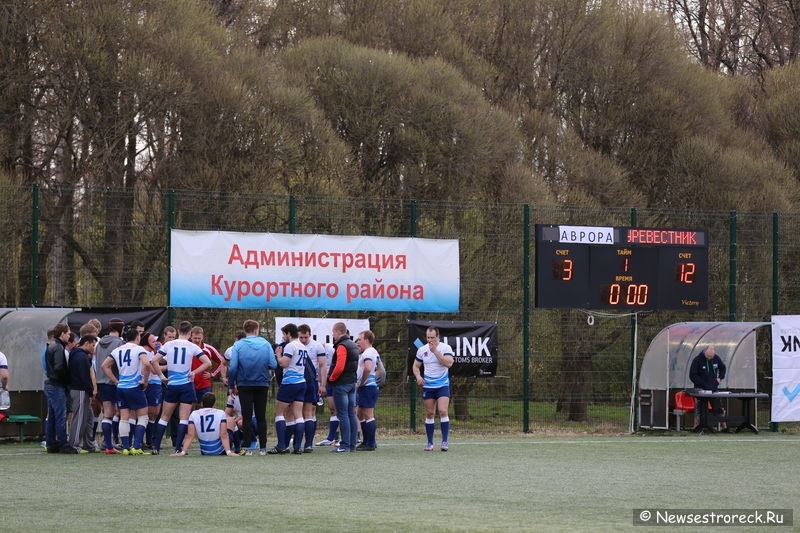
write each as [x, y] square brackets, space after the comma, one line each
[683, 404]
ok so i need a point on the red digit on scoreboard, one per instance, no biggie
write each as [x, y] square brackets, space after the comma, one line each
[684, 272]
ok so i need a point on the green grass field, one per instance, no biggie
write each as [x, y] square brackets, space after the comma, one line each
[520, 483]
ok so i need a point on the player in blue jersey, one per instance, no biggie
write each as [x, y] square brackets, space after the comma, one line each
[291, 392]
[315, 382]
[180, 387]
[133, 368]
[333, 425]
[367, 390]
[153, 392]
[212, 428]
[437, 358]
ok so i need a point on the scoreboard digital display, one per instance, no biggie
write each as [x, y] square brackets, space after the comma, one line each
[587, 267]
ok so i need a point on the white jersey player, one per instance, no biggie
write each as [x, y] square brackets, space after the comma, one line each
[179, 354]
[437, 358]
[211, 427]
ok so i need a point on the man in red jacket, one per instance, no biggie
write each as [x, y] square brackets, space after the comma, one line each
[202, 381]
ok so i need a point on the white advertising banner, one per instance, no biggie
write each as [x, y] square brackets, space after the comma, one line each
[321, 328]
[281, 271]
[786, 368]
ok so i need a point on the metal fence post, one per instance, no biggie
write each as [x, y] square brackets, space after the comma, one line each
[526, 320]
[35, 246]
[412, 389]
[773, 426]
[732, 276]
[293, 229]
[171, 226]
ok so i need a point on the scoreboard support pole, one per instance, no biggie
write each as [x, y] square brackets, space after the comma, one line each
[634, 396]
[634, 338]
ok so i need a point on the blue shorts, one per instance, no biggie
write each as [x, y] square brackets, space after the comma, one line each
[367, 397]
[200, 392]
[108, 393]
[133, 399]
[153, 394]
[435, 394]
[295, 392]
[312, 392]
[180, 393]
[328, 390]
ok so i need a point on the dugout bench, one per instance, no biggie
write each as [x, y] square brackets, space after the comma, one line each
[21, 420]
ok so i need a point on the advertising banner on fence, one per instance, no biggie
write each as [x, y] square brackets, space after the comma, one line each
[321, 328]
[280, 271]
[474, 345]
[786, 368]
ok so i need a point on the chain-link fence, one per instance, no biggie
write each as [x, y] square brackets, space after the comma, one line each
[79, 247]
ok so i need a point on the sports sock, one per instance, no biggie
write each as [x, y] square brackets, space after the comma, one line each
[361, 424]
[333, 428]
[299, 431]
[125, 433]
[151, 429]
[280, 431]
[370, 427]
[237, 440]
[289, 432]
[311, 428]
[115, 428]
[183, 427]
[445, 423]
[429, 430]
[139, 431]
[161, 428]
[107, 433]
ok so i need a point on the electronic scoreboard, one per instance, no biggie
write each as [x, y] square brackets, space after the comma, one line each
[586, 267]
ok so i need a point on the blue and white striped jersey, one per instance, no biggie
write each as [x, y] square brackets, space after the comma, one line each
[129, 365]
[178, 354]
[206, 423]
[295, 372]
[154, 379]
[315, 351]
[435, 374]
[370, 354]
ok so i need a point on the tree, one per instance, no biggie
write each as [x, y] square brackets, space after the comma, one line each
[739, 37]
[415, 129]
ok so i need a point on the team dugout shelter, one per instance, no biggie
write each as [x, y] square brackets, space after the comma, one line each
[23, 336]
[666, 364]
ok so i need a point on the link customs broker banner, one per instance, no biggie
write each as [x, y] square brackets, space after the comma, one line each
[281, 271]
[474, 345]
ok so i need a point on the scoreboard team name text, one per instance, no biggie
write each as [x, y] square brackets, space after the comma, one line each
[621, 268]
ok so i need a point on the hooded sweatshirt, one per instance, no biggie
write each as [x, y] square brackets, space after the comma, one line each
[251, 360]
[107, 344]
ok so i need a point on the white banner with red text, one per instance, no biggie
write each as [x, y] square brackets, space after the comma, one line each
[281, 271]
[785, 368]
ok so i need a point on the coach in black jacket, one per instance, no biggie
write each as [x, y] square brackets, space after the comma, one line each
[707, 370]
[55, 389]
